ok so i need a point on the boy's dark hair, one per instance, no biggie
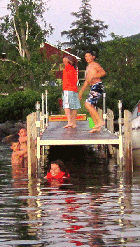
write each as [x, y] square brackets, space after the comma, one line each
[93, 53]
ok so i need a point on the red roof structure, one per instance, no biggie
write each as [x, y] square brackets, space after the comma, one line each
[53, 50]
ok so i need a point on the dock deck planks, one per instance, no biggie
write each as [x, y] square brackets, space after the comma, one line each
[55, 134]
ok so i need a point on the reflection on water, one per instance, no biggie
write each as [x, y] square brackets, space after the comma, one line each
[136, 157]
[99, 207]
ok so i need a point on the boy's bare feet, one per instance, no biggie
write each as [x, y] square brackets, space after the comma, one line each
[101, 124]
[74, 126]
[95, 129]
[68, 126]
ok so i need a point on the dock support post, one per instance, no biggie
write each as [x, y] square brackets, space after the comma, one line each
[38, 135]
[31, 134]
[128, 157]
[110, 127]
[42, 116]
[46, 99]
[43, 120]
[120, 133]
[104, 115]
[104, 108]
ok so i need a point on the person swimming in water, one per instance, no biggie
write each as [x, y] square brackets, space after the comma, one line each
[57, 172]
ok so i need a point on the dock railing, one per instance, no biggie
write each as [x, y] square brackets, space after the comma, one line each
[44, 112]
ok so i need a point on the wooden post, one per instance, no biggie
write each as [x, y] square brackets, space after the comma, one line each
[46, 103]
[120, 133]
[42, 122]
[128, 159]
[104, 108]
[42, 114]
[110, 120]
[38, 133]
[110, 127]
[31, 143]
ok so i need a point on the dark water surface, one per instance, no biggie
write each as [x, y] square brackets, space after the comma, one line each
[98, 207]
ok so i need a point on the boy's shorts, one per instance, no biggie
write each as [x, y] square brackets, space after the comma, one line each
[71, 100]
[95, 93]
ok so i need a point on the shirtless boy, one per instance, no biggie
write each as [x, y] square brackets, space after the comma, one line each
[93, 74]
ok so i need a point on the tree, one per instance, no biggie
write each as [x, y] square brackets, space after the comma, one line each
[85, 32]
[21, 26]
[120, 58]
[23, 35]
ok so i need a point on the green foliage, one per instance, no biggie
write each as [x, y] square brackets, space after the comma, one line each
[22, 32]
[25, 73]
[26, 19]
[54, 93]
[85, 32]
[120, 58]
[135, 37]
[25, 65]
[18, 105]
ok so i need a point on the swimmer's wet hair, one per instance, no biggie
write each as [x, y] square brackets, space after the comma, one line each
[60, 163]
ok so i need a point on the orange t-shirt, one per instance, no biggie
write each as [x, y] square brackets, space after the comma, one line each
[69, 78]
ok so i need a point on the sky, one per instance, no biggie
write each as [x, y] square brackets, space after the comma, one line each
[121, 16]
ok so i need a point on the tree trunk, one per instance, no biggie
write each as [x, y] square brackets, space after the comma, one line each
[23, 35]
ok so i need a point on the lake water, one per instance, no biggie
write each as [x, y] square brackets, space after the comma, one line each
[100, 206]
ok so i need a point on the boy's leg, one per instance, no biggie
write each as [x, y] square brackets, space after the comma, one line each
[68, 114]
[73, 117]
[95, 116]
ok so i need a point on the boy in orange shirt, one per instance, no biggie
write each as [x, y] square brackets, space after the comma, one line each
[71, 102]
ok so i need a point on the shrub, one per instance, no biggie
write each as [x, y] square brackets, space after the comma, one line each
[54, 93]
[14, 107]
[18, 105]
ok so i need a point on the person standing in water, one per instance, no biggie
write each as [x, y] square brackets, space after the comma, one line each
[71, 101]
[93, 74]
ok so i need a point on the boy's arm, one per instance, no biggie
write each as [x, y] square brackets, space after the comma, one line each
[83, 89]
[100, 71]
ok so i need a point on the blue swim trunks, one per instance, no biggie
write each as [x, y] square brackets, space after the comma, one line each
[95, 93]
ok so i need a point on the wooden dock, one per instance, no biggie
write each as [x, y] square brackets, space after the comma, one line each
[55, 134]
[44, 130]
